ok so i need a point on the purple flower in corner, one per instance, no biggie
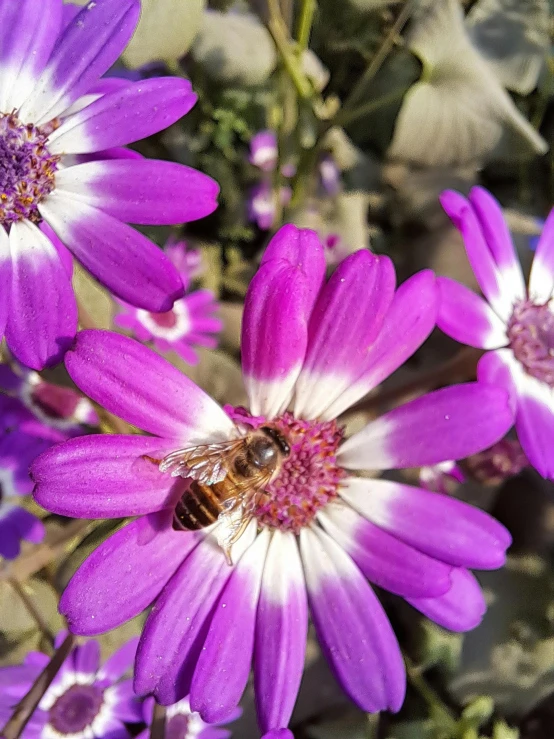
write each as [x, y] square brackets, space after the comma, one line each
[514, 322]
[34, 415]
[62, 171]
[183, 723]
[191, 322]
[84, 701]
[315, 532]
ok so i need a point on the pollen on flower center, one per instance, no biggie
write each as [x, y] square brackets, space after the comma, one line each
[531, 336]
[309, 477]
[76, 709]
[27, 169]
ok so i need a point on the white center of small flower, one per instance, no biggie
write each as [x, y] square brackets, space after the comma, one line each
[171, 325]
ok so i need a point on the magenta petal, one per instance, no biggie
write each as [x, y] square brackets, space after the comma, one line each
[485, 269]
[384, 559]
[408, 322]
[87, 48]
[224, 663]
[278, 304]
[278, 734]
[281, 633]
[27, 38]
[5, 279]
[42, 318]
[142, 190]
[132, 112]
[466, 317]
[176, 628]
[499, 241]
[494, 368]
[345, 322]
[461, 609]
[119, 662]
[127, 379]
[103, 476]
[541, 280]
[122, 259]
[438, 525]
[450, 423]
[124, 574]
[352, 627]
[86, 657]
[535, 424]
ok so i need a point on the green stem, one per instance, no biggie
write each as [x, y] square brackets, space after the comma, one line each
[279, 33]
[377, 61]
[344, 117]
[429, 695]
[307, 13]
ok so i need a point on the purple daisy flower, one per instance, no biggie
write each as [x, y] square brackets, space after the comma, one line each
[514, 322]
[84, 701]
[55, 114]
[318, 533]
[34, 415]
[183, 723]
[189, 323]
[262, 206]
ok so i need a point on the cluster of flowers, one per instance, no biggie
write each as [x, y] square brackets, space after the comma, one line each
[311, 348]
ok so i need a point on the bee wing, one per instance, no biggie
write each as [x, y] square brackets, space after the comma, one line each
[206, 463]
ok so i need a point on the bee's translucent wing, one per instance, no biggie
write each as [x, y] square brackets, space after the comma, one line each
[206, 463]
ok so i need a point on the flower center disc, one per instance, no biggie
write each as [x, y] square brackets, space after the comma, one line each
[531, 335]
[76, 709]
[309, 477]
[27, 170]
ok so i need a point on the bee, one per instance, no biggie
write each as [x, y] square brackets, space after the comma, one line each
[228, 479]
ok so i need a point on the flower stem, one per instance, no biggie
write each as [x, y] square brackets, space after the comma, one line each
[157, 728]
[27, 705]
[307, 13]
[441, 713]
[377, 61]
[33, 610]
[279, 32]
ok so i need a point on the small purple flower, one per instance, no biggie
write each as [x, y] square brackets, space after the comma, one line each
[498, 463]
[65, 180]
[263, 151]
[84, 701]
[310, 350]
[187, 261]
[262, 204]
[183, 723]
[514, 322]
[442, 477]
[35, 415]
[329, 175]
[189, 323]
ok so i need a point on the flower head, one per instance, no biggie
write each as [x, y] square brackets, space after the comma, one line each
[64, 179]
[442, 477]
[314, 532]
[84, 701]
[514, 322]
[182, 722]
[35, 415]
[189, 323]
[262, 203]
[263, 151]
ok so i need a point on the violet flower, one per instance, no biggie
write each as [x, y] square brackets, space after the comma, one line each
[191, 322]
[55, 112]
[262, 203]
[310, 349]
[442, 477]
[514, 322]
[264, 153]
[84, 701]
[183, 723]
[34, 415]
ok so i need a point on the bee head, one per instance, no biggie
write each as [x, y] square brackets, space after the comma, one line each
[277, 437]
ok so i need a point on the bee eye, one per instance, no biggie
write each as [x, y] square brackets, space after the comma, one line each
[262, 453]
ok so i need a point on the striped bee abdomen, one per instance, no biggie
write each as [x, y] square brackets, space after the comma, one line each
[199, 507]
